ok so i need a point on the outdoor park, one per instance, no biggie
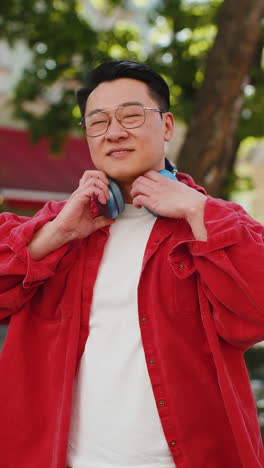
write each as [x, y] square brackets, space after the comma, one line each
[210, 52]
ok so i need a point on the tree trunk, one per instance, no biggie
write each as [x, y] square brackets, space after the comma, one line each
[211, 138]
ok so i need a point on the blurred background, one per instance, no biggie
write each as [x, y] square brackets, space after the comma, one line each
[210, 52]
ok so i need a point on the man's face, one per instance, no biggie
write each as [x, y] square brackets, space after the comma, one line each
[122, 153]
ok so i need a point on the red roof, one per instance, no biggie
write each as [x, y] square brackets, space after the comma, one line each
[29, 167]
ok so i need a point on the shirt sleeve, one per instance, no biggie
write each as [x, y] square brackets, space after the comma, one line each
[20, 275]
[230, 265]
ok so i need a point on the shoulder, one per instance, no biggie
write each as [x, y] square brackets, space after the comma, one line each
[20, 227]
[188, 180]
[50, 209]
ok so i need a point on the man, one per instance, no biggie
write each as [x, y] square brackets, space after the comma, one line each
[126, 337]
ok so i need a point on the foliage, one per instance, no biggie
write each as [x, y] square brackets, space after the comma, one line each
[62, 43]
[191, 31]
[65, 44]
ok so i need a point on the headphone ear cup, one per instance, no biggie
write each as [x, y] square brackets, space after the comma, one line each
[116, 202]
[115, 205]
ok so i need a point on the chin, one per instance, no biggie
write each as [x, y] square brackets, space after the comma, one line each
[123, 178]
[124, 174]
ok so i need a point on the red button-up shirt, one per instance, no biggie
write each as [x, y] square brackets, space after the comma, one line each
[200, 306]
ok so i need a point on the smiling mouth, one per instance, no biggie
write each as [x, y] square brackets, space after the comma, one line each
[118, 153]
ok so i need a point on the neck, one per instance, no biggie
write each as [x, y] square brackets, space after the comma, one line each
[125, 188]
[125, 185]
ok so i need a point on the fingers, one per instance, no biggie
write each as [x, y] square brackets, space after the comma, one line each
[96, 174]
[152, 190]
[142, 185]
[140, 200]
[144, 190]
[95, 183]
[86, 193]
[153, 175]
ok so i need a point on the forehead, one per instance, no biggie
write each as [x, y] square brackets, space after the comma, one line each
[113, 93]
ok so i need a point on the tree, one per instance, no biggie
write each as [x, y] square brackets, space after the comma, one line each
[211, 74]
[211, 143]
[215, 72]
[62, 43]
[56, 36]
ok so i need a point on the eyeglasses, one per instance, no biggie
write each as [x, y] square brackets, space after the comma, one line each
[129, 116]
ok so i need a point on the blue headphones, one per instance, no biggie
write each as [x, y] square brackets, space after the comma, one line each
[115, 205]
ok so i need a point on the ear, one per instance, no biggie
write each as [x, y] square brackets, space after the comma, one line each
[168, 126]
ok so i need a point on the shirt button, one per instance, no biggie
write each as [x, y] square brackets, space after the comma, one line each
[143, 319]
[152, 361]
[161, 403]
[181, 266]
[173, 443]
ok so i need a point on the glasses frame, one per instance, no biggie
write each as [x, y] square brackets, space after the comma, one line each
[82, 122]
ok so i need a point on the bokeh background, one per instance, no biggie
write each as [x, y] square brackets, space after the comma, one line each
[209, 51]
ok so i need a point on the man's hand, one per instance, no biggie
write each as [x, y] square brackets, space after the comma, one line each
[75, 220]
[171, 199]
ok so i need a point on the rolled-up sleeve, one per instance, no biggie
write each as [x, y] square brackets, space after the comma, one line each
[20, 275]
[230, 266]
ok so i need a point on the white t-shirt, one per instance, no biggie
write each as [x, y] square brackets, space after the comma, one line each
[115, 422]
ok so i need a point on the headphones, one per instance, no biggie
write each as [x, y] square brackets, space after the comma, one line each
[115, 205]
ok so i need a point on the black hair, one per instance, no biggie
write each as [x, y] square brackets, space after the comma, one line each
[114, 69]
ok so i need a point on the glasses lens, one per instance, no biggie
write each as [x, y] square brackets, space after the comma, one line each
[96, 124]
[131, 116]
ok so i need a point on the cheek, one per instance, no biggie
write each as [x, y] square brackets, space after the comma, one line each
[155, 133]
[93, 150]
[154, 141]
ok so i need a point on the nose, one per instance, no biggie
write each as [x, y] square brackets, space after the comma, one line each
[115, 130]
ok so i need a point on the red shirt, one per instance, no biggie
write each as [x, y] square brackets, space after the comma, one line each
[201, 305]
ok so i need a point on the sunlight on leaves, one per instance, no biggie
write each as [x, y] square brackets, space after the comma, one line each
[60, 5]
[50, 64]
[202, 40]
[140, 3]
[199, 77]
[157, 37]
[100, 4]
[116, 51]
[206, 33]
[133, 46]
[176, 92]
[183, 35]
[198, 48]
[76, 112]
[122, 26]
[55, 17]
[40, 6]
[41, 48]
[247, 144]
[167, 58]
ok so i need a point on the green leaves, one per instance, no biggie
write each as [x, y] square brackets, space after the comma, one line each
[67, 39]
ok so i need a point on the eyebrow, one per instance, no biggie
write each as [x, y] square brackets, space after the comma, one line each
[124, 104]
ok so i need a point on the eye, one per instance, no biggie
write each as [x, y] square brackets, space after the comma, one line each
[132, 114]
[96, 120]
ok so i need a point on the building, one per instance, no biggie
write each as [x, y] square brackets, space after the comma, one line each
[29, 173]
